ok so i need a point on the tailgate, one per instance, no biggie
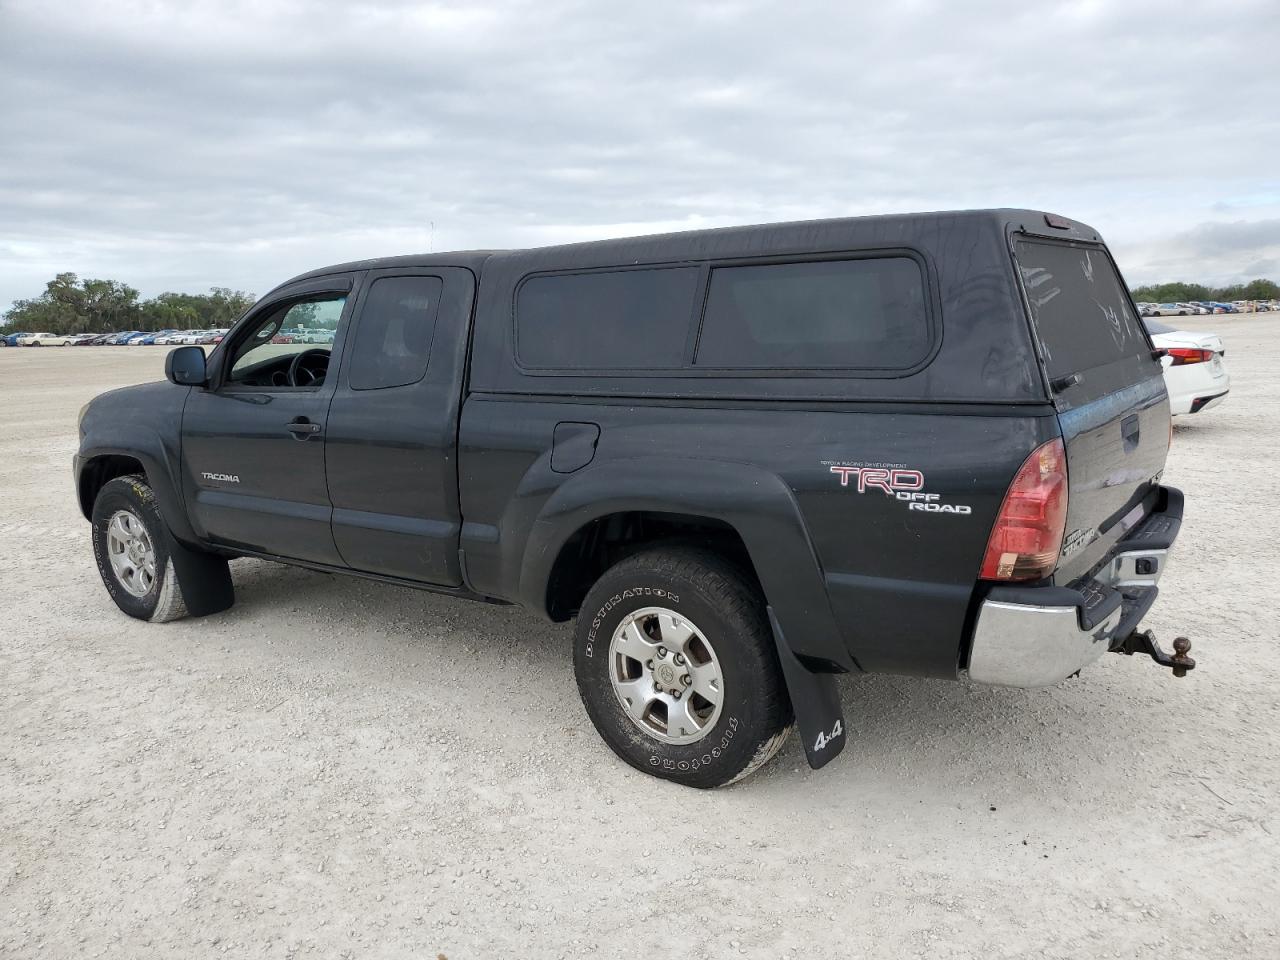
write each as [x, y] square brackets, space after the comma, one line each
[1108, 389]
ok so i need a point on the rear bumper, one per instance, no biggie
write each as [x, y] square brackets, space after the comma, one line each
[1196, 387]
[1204, 403]
[1038, 636]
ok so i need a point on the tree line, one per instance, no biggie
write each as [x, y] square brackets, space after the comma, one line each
[72, 305]
[1189, 292]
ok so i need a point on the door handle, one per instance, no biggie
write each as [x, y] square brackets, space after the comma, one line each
[302, 428]
[1129, 428]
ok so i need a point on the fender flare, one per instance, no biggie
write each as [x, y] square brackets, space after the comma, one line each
[156, 461]
[762, 509]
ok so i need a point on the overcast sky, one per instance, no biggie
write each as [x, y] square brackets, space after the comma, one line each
[180, 145]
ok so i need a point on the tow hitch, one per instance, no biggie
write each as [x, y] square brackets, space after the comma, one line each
[1144, 641]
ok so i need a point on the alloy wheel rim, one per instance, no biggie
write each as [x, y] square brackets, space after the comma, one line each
[132, 554]
[666, 675]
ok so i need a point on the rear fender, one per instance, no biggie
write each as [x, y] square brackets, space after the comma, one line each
[760, 507]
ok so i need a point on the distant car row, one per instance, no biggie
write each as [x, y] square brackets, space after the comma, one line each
[146, 338]
[1199, 307]
[129, 337]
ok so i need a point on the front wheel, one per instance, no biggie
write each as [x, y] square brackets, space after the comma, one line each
[677, 669]
[131, 545]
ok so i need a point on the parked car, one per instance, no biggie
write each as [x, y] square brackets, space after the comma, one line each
[686, 443]
[44, 340]
[151, 338]
[1194, 371]
[212, 336]
[1169, 310]
[1194, 309]
[11, 339]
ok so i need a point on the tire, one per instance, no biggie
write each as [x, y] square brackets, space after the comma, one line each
[690, 602]
[154, 596]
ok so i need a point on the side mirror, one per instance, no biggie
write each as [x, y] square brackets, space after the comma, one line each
[186, 367]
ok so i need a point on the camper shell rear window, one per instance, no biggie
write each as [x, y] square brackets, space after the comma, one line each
[1091, 337]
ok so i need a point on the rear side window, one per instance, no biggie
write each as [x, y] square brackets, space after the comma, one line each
[393, 338]
[849, 314]
[608, 320]
[1081, 312]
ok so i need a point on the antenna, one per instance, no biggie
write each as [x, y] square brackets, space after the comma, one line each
[431, 244]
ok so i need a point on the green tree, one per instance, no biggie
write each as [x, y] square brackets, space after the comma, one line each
[1184, 292]
[69, 305]
[1261, 290]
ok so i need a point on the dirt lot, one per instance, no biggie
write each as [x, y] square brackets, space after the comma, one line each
[339, 768]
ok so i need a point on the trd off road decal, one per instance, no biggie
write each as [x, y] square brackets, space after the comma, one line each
[894, 480]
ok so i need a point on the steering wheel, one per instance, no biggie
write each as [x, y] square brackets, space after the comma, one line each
[298, 370]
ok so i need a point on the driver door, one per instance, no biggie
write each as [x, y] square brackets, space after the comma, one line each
[253, 439]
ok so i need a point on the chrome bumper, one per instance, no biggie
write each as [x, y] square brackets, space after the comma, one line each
[1018, 645]
[1028, 644]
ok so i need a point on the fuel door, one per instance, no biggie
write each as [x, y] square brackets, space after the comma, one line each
[573, 445]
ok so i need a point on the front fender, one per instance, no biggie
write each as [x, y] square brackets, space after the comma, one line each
[757, 504]
[145, 424]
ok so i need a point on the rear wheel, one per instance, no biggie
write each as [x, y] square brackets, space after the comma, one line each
[131, 546]
[677, 669]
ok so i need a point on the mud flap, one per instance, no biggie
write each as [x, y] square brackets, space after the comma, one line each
[205, 579]
[815, 700]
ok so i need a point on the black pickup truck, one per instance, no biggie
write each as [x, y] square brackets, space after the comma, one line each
[746, 460]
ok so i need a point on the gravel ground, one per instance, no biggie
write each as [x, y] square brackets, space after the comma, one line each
[339, 768]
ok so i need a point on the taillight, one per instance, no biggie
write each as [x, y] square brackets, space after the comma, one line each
[1185, 355]
[1027, 536]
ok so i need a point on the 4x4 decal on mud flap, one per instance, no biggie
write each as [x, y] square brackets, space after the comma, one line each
[895, 480]
[824, 740]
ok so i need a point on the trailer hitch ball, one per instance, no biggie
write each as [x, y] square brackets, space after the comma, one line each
[1144, 641]
[1180, 661]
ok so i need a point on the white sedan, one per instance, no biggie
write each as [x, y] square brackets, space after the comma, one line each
[44, 340]
[1194, 372]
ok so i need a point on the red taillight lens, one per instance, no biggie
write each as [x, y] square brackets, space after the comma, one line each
[1185, 355]
[1027, 537]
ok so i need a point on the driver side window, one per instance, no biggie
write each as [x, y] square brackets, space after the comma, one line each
[290, 346]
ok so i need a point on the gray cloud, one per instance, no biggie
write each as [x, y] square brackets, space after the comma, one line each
[1238, 236]
[188, 144]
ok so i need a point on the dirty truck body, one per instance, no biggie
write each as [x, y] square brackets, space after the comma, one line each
[927, 445]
